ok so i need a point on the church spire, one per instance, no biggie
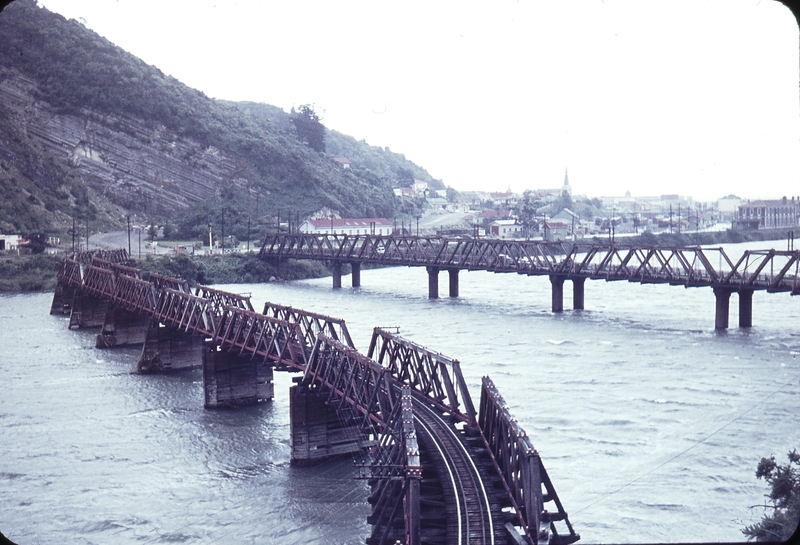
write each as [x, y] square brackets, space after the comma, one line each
[566, 178]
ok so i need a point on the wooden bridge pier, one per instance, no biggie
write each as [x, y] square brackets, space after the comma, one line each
[232, 380]
[169, 349]
[317, 430]
[122, 327]
[87, 311]
[62, 299]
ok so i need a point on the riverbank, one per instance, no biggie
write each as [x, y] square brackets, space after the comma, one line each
[31, 273]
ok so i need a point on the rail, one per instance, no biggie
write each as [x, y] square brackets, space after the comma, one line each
[523, 472]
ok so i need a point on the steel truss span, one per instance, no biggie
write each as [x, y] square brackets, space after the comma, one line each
[412, 400]
[770, 270]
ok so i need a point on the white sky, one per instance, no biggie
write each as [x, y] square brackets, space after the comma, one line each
[692, 97]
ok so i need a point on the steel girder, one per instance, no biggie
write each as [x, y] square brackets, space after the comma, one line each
[522, 470]
[397, 472]
[435, 377]
[221, 299]
[770, 270]
[311, 323]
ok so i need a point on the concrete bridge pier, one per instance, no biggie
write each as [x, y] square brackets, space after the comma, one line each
[356, 274]
[433, 282]
[723, 296]
[745, 308]
[169, 349]
[557, 291]
[231, 380]
[87, 311]
[336, 269]
[122, 327]
[317, 432]
[577, 293]
[453, 282]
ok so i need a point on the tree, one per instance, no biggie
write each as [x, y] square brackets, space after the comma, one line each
[782, 521]
[309, 126]
[525, 211]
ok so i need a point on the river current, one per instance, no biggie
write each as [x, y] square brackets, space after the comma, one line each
[649, 422]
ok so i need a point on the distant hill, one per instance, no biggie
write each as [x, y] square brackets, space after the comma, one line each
[90, 132]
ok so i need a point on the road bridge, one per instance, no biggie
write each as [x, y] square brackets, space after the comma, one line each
[771, 271]
[439, 471]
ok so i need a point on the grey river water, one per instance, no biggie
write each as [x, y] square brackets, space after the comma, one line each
[649, 422]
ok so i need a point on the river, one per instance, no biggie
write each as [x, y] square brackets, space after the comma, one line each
[649, 422]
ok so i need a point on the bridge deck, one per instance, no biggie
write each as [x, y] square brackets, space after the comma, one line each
[770, 270]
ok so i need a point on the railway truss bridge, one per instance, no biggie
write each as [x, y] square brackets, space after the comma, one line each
[440, 471]
[768, 270]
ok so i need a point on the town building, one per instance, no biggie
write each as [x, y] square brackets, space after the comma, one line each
[9, 242]
[505, 229]
[768, 214]
[347, 226]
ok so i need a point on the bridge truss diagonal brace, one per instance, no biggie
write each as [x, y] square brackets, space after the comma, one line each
[522, 472]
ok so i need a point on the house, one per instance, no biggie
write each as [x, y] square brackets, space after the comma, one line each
[555, 231]
[347, 226]
[570, 218]
[505, 229]
[9, 242]
[342, 161]
[768, 214]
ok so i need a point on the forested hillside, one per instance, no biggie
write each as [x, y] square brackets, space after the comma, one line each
[90, 132]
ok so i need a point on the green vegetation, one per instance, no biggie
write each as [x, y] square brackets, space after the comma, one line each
[79, 73]
[29, 273]
[784, 514]
[231, 269]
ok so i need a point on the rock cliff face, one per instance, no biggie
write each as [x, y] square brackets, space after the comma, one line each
[128, 162]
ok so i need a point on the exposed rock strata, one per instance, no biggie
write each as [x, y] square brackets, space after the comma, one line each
[134, 165]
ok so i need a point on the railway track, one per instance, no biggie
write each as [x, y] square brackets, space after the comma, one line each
[467, 502]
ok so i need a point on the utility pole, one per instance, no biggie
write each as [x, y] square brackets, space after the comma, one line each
[129, 235]
[223, 230]
[670, 218]
[248, 235]
[73, 235]
[679, 218]
[210, 241]
[140, 242]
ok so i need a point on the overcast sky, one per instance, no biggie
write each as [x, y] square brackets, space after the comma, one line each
[692, 97]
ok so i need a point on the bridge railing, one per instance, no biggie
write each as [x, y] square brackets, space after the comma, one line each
[396, 471]
[428, 373]
[352, 378]
[248, 333]
[522, 470]
[689, 266]
[220, 299]
[311, 323]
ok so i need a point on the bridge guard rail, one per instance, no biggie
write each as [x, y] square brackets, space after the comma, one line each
[522, 471]
[396, 474]
[311, 324]
[431, 374]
